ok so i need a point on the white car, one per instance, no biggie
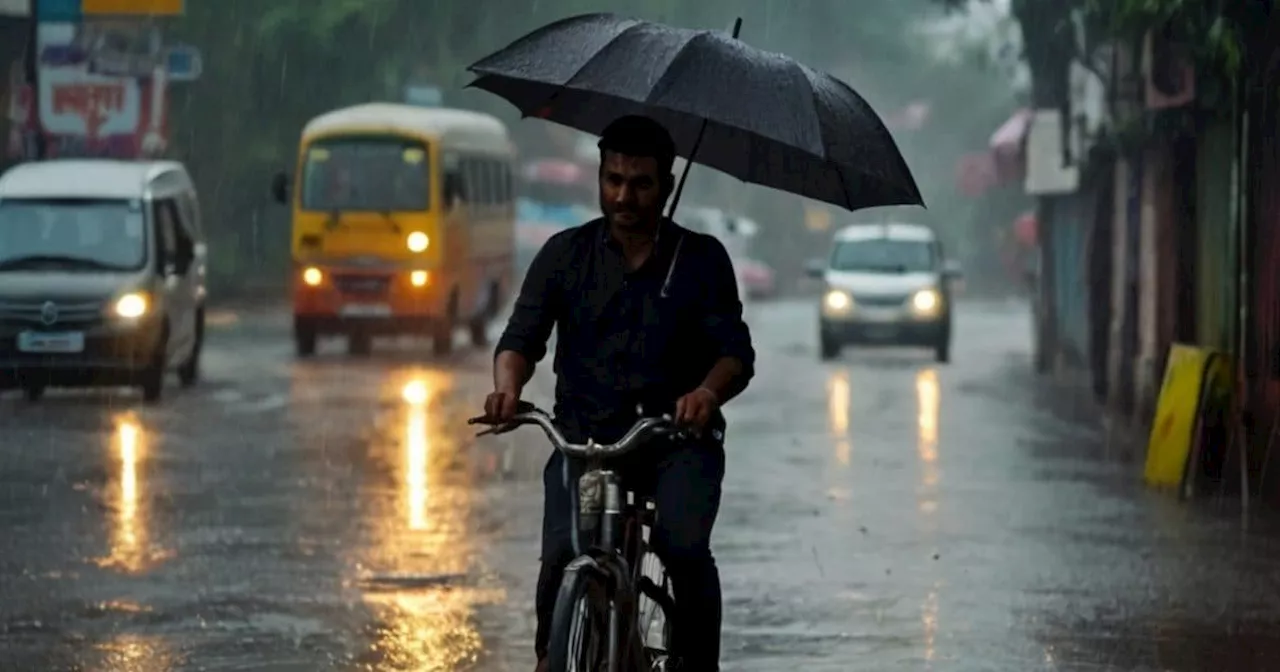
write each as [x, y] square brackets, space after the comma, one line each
[885, 284]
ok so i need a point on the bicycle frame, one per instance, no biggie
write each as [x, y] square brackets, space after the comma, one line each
[600, 510]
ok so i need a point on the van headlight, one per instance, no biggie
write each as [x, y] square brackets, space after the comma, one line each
[132, 305]
[418, 242]
[926, 302]
[837, 302]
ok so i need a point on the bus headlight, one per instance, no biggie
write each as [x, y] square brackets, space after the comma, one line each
[836, 301]
[926, 302]
[312, 276]
[419, 278]
[418, 242]
[132, 305]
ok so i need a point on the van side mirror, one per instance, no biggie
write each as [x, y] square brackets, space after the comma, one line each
[280, 188]
[815, 268]
[951, 270]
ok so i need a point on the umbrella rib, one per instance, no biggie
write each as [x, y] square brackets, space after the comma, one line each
[568, 83]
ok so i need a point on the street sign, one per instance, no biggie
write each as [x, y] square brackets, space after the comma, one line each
[133, 7]
[183, 63]
[423, 95]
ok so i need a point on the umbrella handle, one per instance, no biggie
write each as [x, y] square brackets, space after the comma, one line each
[684, 175]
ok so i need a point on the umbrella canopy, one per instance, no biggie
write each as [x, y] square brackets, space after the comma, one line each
[758, 116]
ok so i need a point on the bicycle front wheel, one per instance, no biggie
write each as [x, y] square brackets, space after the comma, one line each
[580, 624]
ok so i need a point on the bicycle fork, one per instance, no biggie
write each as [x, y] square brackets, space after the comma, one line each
[599, 516]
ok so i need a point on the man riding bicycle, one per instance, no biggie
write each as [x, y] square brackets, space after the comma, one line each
[648, 321]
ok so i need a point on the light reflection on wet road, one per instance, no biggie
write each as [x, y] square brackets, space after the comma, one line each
[881, 512]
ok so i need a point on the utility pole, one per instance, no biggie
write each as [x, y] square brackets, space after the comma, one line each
[37, 146]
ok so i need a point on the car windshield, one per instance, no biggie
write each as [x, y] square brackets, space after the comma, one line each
[74, 233]
[370, 173]
[883, 255]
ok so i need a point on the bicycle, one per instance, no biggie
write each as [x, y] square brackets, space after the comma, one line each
[600, 596]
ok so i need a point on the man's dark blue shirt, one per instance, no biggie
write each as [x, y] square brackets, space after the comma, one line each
[620, 341]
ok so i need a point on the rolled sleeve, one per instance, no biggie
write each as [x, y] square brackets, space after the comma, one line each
[723, 319]
[535, 310]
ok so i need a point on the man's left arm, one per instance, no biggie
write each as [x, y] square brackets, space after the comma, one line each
[723, 323]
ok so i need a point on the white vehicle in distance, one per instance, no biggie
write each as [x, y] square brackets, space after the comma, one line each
[885, 284]
[102, 275]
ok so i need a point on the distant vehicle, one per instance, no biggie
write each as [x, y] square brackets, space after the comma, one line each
[757, 278]
[735, 233]
[102, 275]
[553, 195]
[885, 284]
[403, 223]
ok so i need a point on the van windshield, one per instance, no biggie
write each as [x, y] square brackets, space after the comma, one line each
[366, 173]
[72, 233]
[883, 255]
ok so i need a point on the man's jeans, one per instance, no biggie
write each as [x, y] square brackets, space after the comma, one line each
[685, 481]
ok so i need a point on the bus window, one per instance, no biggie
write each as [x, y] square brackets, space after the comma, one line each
[366, 173]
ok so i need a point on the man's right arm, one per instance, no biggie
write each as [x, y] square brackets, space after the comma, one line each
[524, 342]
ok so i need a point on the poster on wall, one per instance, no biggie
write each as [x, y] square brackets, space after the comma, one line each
[101, 89]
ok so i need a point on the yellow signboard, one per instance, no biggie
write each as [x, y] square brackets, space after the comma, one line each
[1189, 371]
[133, 7]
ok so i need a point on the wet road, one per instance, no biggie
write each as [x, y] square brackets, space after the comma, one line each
[881, 513]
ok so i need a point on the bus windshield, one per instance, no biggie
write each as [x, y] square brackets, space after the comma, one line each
[369, 173]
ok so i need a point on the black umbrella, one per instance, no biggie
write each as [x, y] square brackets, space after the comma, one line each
[758, 116]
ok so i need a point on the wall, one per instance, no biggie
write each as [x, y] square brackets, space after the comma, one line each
[1072, 220]
[1123, 332]
[1214, 260]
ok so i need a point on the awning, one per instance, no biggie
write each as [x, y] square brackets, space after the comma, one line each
[1008, 145]
[1008, 138]
[976, 173]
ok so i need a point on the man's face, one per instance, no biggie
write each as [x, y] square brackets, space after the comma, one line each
[632, 190]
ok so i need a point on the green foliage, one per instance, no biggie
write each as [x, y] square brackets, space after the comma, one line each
[1216, 36]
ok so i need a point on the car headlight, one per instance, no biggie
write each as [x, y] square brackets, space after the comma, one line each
[836, 301]
[132, 305]
[418, 242]
[312, 276]
[926, 301]
[419, 278]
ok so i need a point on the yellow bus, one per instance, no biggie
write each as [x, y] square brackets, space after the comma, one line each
[403, 224]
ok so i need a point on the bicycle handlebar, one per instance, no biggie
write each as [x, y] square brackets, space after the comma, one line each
[645, 428]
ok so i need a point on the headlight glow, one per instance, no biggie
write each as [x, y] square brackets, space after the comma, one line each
[837, 300]
[418, 242]
[419, 278]
[131, 305]
[312, 276]
[926, 301]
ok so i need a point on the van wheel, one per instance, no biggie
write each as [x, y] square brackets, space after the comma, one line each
[942, 353]
[359, 345]
[153, 377]
[189, 372]
[33, 392]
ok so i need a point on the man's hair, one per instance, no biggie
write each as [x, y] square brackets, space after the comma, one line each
[636, 135]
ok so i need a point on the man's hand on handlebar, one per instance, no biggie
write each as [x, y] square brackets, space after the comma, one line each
[694, 410]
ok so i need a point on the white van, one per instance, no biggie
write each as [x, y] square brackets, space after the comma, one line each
[102, 275]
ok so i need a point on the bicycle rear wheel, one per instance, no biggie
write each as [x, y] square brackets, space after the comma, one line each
[580, 624]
